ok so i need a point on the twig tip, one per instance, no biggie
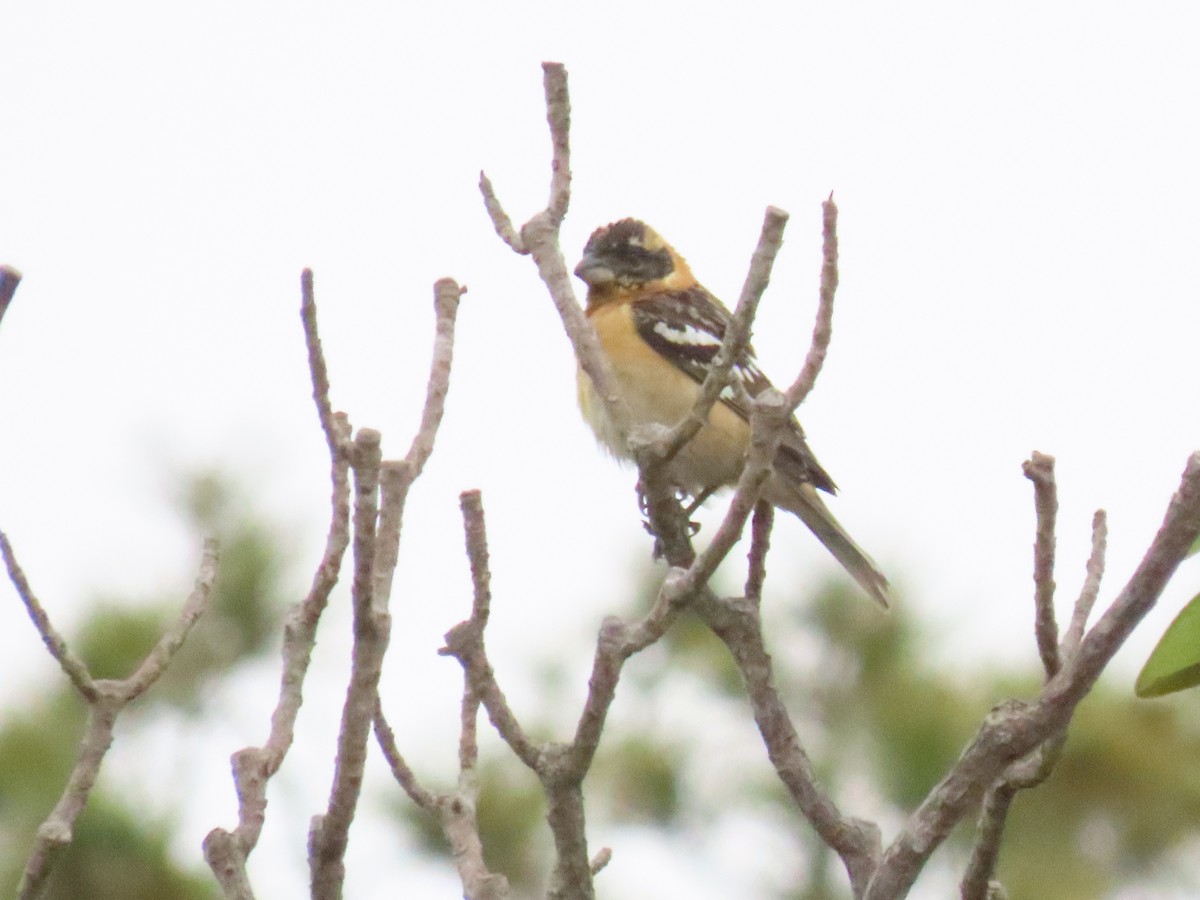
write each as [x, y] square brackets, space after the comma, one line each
[368, 437]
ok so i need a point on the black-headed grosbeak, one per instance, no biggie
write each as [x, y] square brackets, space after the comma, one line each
[661, 330]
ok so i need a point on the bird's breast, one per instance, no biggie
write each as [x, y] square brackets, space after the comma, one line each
[658, 393]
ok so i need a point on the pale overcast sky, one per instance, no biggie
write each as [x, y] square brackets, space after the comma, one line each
[1018, 191]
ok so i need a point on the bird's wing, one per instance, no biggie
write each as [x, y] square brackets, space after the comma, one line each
[687, 327]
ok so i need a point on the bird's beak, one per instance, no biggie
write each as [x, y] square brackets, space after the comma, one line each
[593, 272]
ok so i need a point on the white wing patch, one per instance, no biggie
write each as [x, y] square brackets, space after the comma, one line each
[702, 346]
[747, 377]
[689, 335]
[748, 373]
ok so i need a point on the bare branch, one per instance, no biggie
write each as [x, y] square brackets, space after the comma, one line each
[400, 768]
[823, 327]
[1040, 470]
[1028, 772]
[475, 526]
[602, 858]
[1169, 547]
[106, 699]
[760, 543]
[55, 643]
[540, 238]
[253, 767]
[617, 642]
[667, 520]
[395, 479]
[767, 421]
[461, 828]
[372, 625]
[9, 279]
[558, 116]
[446, 293]
[733, 345]
[977, 881]
[335, 437]
[468, 740]
[456, 811]
[55, 832]
[1014, 729]
[475, 529]
[465, 644]
[571, 877]
[224, 854]
[500, 220]
[464, 641]
[168, 645]
[376, 555]
[737, 623]
[1091, 586]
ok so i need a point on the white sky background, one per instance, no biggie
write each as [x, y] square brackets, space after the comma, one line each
[1018, 192]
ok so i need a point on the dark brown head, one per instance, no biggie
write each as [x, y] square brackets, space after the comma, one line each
[630, 256]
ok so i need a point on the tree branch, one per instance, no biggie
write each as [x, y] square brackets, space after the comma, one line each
[226, 852]
[1091, 586]
[1015, 728]
[737, 336]
[539, 237]
[617, 642]
[106, 698]
[768, 418]
[55, 833]
[558, 117]
[464, 641]
[71, 664]
[446, 296]
[336, 436]
[1040, 470]
[9, 279]
[1031, 770]
[977, 882]
[571, 877]
[329, 836]
[500, 220]
[738, 624]
[156, 662]
[456, 811]
[1028, 772]
[823, 326]
[856, 842]
[401, 770]
[760, 543]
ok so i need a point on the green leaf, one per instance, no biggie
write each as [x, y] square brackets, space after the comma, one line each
[1195, 548]
[1175, 663]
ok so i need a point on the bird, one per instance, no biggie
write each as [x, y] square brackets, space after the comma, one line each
[660, 330]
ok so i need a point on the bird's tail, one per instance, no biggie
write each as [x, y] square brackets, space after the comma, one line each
[805, 502]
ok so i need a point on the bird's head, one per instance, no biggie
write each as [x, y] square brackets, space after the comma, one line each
[629, 256]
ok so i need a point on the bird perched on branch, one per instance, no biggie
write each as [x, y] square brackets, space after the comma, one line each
[661, 330]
